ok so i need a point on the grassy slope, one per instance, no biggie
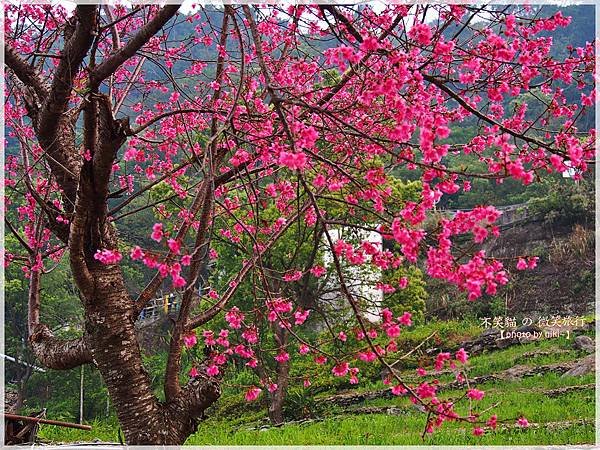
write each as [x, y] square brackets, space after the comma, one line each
[523, 397]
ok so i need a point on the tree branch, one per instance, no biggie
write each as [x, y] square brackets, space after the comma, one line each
[72, 57]
[187, 409]
[442, 86]
[155, 119]
[59, 354]
[52, 352]
[27, 74]
[108, 67]
[215, 309]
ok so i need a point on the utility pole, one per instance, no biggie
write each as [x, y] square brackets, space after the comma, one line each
[81, 395]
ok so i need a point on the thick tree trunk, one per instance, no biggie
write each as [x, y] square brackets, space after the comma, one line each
[110, 332]
[109, 329]
[109, 339]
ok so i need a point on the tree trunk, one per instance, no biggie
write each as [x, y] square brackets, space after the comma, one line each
[110, 333]
[278, 397]
[283, 370]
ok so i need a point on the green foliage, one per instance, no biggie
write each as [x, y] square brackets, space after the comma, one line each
[585, 282]
[57, 391]
[300, 403]
[527, 397]
[410, 299]
[155, 365]
[565, 202]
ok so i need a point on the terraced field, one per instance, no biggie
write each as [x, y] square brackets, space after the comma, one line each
[522, 380]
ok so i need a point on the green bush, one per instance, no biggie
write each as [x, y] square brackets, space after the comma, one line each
[410, 299]
[565, 202]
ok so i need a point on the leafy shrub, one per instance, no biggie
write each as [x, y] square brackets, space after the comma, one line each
[565, 202]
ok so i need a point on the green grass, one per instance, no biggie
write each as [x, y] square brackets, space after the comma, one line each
[505, 359]
[522, 397]
[516, 398]
[378, 429]
[101, 431]
[230, 420]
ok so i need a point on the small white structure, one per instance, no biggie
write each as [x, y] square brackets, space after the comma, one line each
[361, 279]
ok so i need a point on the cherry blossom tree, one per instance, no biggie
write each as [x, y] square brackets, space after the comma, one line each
[231, 111]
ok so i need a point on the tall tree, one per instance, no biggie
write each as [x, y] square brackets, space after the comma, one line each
[291, 106]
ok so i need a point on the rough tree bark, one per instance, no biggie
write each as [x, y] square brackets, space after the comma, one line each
[109, 340]
[277, 399]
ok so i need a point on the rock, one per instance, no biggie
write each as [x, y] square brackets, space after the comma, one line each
[351, 398]
[582, 367]
[516, 372]
[584, 343]
[490, 340]
[528, 329]
[568, 389]
[389, 410]
[489, 332]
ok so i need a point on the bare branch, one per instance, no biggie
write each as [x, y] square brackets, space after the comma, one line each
[109, 66]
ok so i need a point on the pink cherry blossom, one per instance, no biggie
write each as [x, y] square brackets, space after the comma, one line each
[292, 276]
[294, 161]
[421, 33]
[250, 335]
[369, 44]
[189, 340]
[522, 422]
[320, 359]
[234, 317]
[289, 144]
[461, 355]
[108, 256]
[157, 232]
[478, 431]
[398, 389]
[252, 393]
[406, 319]
[475, 394]
[341, 369]
[174, 246]
[301, 316]
[282, 357]
[136, 253]
[318, 271]
[178, 281]
[304, 349]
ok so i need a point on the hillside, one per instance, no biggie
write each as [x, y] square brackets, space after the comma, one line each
[549, 381]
